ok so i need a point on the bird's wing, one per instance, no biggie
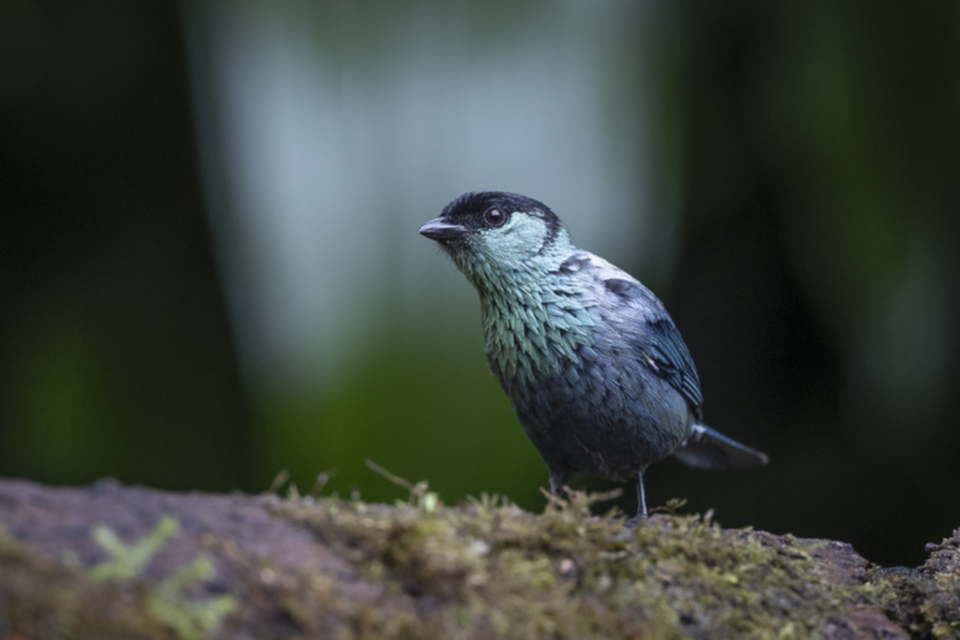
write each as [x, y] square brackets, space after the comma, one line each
[647, 326]
[670, 359]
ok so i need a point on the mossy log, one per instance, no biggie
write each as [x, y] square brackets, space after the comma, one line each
[111, 561]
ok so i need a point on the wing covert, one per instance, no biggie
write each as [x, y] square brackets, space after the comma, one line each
[653, 334]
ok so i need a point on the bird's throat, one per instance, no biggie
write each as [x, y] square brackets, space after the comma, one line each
[533, 331]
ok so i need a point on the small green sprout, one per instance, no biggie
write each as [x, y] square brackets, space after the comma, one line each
[192, 620]
[128, 561]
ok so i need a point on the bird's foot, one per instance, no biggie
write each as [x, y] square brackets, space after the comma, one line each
[634, 522]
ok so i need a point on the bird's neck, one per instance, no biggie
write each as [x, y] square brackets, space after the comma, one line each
[534, 322]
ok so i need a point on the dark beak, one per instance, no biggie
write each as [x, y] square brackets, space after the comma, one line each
[440, 230]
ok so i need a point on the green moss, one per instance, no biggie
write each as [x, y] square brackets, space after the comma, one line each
[165, 601]
[925, 601]
[486, 568]
[43, 598]
[488, 565]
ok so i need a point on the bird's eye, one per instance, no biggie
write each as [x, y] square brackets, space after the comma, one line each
[494, 217]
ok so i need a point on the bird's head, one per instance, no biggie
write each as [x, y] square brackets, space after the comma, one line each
[493, 236]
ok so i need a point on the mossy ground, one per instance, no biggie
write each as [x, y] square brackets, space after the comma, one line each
[487, 569]
[43, 598]
[925, 601]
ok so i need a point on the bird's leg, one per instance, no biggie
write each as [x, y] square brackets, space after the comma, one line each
[558, 487]
[558, 480]
[641, 497]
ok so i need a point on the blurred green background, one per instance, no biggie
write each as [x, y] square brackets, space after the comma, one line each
[210, 272]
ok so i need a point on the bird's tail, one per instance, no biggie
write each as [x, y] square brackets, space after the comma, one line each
[709, 449]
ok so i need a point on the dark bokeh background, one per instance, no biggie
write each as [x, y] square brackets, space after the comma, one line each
[114, 343]
[814, 149]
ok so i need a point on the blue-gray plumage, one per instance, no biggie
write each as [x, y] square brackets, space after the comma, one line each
[597, 372]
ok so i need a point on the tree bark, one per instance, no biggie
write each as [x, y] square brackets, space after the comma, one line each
[109, 560]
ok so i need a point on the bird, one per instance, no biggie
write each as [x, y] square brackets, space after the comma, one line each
[598, 374]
